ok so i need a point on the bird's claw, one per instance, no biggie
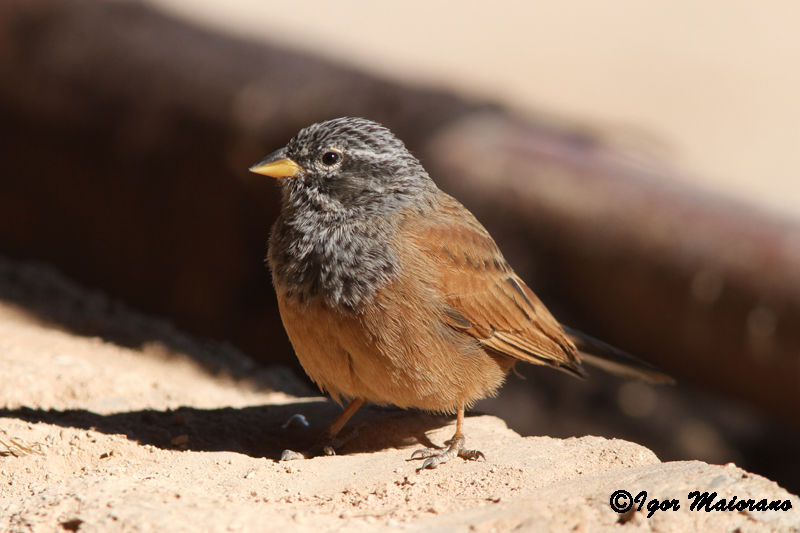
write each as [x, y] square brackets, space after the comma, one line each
[455, 447]
[289, 455]
[296, 421]
[424, 453]
[471, 455]
[315, 451]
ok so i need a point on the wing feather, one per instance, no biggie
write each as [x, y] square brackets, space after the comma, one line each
[484, 297]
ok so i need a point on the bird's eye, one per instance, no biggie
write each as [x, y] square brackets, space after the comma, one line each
[331, 158]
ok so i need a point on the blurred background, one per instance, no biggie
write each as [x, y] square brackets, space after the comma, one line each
[710, 86]
[637, 163]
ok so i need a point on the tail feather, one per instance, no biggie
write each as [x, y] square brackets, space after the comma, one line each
[610, 359]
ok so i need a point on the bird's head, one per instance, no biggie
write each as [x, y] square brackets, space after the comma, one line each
[346, 164]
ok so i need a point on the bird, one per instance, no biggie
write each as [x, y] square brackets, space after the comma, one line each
[392, 292]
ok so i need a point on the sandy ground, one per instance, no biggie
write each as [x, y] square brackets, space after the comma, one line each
[176, 434]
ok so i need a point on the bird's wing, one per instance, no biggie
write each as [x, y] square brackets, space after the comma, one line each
[483, 296]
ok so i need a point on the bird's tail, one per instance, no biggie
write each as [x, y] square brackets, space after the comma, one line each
[610, 359]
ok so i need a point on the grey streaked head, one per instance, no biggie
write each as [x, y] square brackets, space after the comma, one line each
[348, 166]
[342, 180]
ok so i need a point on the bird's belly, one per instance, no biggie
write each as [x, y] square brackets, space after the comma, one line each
[387, 356]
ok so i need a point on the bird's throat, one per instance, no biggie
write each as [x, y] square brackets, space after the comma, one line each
[343, 262]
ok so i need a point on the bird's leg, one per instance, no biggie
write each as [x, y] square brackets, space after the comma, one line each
[325, 442]
[455, 447]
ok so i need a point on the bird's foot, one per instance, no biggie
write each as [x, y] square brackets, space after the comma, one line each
[314, 451]
[325, 445]
[455, 448]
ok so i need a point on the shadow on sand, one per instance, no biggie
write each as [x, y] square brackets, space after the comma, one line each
[255, 431]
